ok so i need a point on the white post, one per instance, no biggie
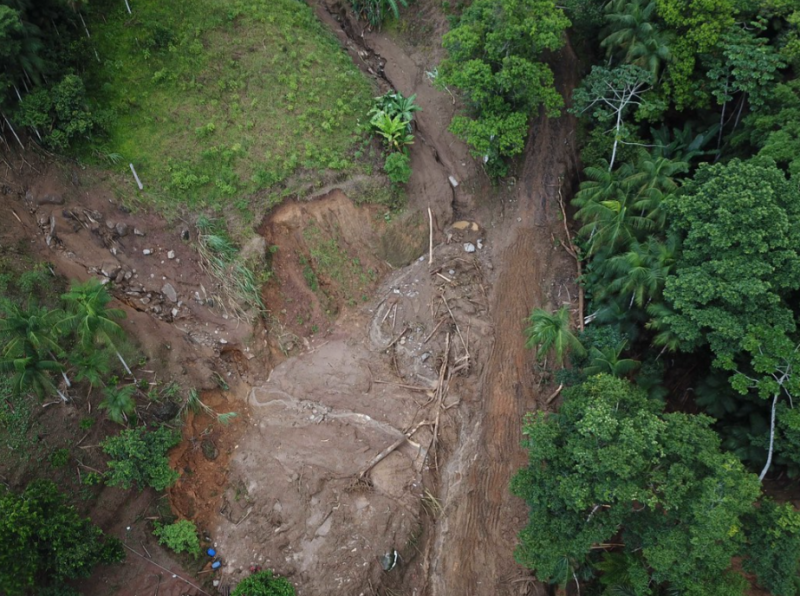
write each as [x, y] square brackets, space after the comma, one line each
[135, 175]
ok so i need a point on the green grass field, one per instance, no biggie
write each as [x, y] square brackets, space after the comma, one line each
[216, 100]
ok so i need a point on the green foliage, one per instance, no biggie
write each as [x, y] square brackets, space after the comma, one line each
[45, 540]
[740, 260]
[775, 129]
[493, 58]
[290, 108]
[264, 583]
[118, 402]
[632, 35]
[551, 332]
[398, 167]
[139, 456]
[611, 465]
[59, 458]
[393, 129]
[376, 11]
[772, 552]
[62, 112]
[697, 26]
[180, 537]
[31, 347]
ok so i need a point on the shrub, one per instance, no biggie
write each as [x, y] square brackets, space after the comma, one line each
[264, 583]
[46, 541]
[180, 537]
[375, 11]
[398, 168]
[139, 456]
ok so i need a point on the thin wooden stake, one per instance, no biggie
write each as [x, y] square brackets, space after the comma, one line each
[430, 237]
[135, 175]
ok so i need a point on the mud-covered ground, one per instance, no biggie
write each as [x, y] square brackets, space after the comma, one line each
[380, 402]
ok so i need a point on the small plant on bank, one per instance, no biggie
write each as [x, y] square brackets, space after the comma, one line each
[398, 167]
[264, 583]
[376, 11]
[390, 118]
[139, 456]
[180, 537]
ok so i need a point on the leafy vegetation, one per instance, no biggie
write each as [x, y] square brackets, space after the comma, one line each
[612, 467]
[390, 118]
[494, 60]
[45, 541]
[376, 11]
[687, 215]
[138, 456]
[180, 537]
[264, 583]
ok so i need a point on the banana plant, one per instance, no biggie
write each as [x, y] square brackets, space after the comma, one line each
[393, 130]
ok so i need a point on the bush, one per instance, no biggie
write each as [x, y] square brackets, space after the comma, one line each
[46, 541]
[375, 11]
[398, 168]
[139, 456]
[61, 113]
[264, 583]
[180, 537]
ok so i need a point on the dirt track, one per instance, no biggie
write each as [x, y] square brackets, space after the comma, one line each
[479, 535]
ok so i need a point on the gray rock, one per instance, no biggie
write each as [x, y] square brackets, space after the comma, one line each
[171, 254]
[128, 275]
[119, 276]
[110, 269]
[185, 234]
[254, 250]
[169, 292]
[147, 251]
[137, 232]
[469, 247]
[50, 199]
[109, 224]
[122, 229]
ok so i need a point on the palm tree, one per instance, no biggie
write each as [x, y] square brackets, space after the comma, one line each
[551, 331]
[633, 37]
[653, 182]
[29, 331]
[31, 373]
[607, 361]
[30, 347]
[665, 337]
[92, 366]
[118, 402]
[642, 271]
[91, 319]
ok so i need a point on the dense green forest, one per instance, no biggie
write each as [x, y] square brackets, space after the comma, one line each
[680, 393]
[678, 419]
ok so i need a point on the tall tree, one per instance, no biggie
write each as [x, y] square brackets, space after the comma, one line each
[91, 318]
[610, 468]
[551, 331]
[741, 255]
[609, 95]
[494, 59]
[633, 36]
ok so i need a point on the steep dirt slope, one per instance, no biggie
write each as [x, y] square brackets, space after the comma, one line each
[476, 540]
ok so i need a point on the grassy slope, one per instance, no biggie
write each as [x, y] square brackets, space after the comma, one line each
[218, 99]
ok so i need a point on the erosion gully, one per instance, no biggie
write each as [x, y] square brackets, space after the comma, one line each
[473, 542]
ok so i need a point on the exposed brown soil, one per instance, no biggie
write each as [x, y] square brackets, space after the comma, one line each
[362, 349]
